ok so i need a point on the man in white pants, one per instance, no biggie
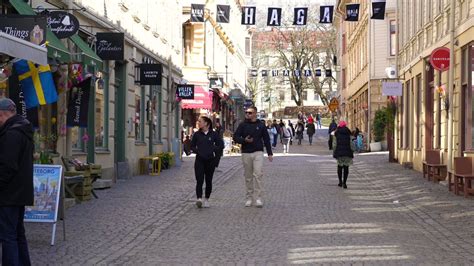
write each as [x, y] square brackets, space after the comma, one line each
[253, 135]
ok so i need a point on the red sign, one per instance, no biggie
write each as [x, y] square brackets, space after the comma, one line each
[439, 58]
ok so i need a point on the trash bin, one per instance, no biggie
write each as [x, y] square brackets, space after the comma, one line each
[177, 150]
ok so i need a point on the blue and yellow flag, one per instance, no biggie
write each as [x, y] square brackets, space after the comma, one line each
[37, 83]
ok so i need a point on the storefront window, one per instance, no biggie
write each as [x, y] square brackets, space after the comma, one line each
[139, 114]
[101, 111]
[155, 107]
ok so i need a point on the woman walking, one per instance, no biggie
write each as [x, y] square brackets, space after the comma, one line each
[208, 145]
[343, 152]
[310, 130]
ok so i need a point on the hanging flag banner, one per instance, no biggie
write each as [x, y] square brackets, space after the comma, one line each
[16, 94]
[264, 73]
[78, 106]
[185, 91]
[378, 10]
[274, 16]
[318, 73]
[253, 73]
[248, 15]
[286, 73]
[150, 74]
[326, 14]
[37, 83]
[110, 45]
[197, 13]
[223, 14]
[307, 73]
[274, 73]
[301, 15]
[297, 72]
[328, 73]
[352, 12]
[62, 24]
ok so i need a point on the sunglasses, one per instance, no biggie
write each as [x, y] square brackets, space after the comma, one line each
[249, 113]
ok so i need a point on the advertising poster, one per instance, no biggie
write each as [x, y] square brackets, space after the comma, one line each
[47, 183]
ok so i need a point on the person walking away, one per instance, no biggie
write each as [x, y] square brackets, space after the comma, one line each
[281, 125]
[299, 131]
[332, 127]
[318, 119]
[253, 135]
[292, 131]
[310, 130]
[208, 146]
[287, 135]
[343, 152]
[271, 129]
[275, 136]
[16, 182]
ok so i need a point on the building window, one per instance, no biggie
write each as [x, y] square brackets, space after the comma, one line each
[247, 46]
[393, 37]
[101, 110]
[140, 115]
[304, 95]
[467, 79]
[317, 97]
[418, 111]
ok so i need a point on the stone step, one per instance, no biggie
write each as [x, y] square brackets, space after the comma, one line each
[102, 183]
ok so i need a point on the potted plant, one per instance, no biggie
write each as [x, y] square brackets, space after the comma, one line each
[165, 158]
[379, 126]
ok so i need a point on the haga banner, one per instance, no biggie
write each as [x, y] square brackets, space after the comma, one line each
[185, 91]
[150, 74]
[223, 14]
[378, 10]
[352, 12]
[110, 45]
[62, 24]
[78, 106]
[197, 13]
[28, 28]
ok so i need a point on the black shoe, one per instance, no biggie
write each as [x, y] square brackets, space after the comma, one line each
[344, 186]
[339, 185]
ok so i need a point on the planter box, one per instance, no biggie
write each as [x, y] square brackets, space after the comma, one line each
[375, 146]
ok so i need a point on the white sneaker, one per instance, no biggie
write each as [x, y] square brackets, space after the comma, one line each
[248, 203]
[258, 203]
[206, 203]
[199, 203]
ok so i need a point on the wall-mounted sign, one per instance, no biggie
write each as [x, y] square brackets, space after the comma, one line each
[110, 45]
[28, 28]
[216, 82]
[392, 88]
[150, 74]
[62, 24]
[439, 58]
[185, 91]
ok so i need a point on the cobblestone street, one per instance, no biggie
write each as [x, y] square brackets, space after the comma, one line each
[389, 215]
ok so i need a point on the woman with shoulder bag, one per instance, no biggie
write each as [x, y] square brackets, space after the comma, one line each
[343, 151]
[208, 146]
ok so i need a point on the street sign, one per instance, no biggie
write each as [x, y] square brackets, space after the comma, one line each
[439, 58]
[333, 105]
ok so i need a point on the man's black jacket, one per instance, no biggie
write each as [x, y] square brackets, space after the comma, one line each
[16, 162]
[258, 131]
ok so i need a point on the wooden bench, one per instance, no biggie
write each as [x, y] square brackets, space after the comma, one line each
[460, 178]
[90, 172]
[433, 169]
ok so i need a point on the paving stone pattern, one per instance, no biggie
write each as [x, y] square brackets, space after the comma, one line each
[389, 215]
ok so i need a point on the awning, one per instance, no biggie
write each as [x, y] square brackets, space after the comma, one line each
[202, 99]
[19, 48]
[89, 57]
[56, 48]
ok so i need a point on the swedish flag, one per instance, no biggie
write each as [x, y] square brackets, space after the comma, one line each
[37, 83]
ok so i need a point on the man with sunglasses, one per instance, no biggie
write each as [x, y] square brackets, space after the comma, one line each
[253, 135]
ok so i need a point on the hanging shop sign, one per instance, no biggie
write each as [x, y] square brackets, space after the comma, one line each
[216, 82]
[150, 74]
[78, 106]
[110, 45]
[223, 14]
[185, 91]
[28, 28]
[62, 24]
[197, 13]
[439, 58]
[392, 88]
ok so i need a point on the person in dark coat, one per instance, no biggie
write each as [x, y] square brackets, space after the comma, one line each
[310, 130]
[16, 182]
[208, 146]
[332, 127]
[343, 152]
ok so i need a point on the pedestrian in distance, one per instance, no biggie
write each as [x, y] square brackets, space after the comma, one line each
[287, 136]
[292, 131]
[343, 152]
[272, 131]
[253, 136]
[299, 131]
[310, 130]
[331, 129]
[318, 119]
[208, 146]
[16, 182]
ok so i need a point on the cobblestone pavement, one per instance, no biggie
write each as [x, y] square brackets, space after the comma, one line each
[388, 216]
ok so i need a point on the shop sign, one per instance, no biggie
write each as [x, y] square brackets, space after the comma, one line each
[150, 74]
[62, 24]
[392, 88]
[78, 106]
[333, 104]
[216, 82]
[185, 91]
[110, 45]
[439, 58]
[28, 28]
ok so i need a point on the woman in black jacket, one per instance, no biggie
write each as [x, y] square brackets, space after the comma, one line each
[208, 146]
[343, 152]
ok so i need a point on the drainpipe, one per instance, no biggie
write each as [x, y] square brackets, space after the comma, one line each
[450, 84]
[369, 91]
[169, 104]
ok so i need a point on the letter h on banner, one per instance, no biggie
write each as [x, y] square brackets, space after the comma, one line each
[248, 15]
